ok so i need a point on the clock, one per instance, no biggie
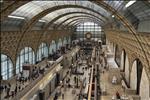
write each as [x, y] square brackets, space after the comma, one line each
[88, 35]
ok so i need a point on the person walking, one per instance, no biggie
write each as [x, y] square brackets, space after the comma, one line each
[63, 96]
[118, 95]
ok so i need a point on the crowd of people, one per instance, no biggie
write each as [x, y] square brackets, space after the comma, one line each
[21, 81]
[73, 80]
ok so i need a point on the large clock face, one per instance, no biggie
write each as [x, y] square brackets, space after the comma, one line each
[88, 35]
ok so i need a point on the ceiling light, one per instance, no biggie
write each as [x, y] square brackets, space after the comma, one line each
[113, 16]
[16, 17]
[130, 3]
[42, 21]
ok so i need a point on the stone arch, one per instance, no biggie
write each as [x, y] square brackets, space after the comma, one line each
[133, 76]
[113, 47]
[21, 58]
[127, 70]
[144, 86]
[22, 47]
[117, 55]
[8, 55]
[25, 47]
[123, 57]
[136, 75]
[139, 74]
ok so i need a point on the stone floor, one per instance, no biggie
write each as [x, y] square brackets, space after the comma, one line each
[68, 95]
[111, 89]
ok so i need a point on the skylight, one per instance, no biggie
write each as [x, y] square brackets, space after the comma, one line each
[42, 21]
[16, 17]
[130, 3]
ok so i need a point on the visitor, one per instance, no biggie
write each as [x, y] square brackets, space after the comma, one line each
[62, 95]
[16, 88]
[8, 90]
[117, 95]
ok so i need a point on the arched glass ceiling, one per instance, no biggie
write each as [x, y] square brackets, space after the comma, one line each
[82, 19]
[88, 27]
[117, 5]
[73, 15]
[76, 21]
[33, 8]
[56, 13]
[68, 21]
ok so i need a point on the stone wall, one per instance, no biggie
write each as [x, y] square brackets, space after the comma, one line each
[136, 47]
[11, 44]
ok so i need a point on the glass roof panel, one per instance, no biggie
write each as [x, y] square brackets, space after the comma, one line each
[69, 16]
[33, 8]
[140, 10]
[53, 15]
[116, 4]
[68, 21]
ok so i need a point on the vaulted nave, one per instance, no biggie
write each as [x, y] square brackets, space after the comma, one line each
[75, 50]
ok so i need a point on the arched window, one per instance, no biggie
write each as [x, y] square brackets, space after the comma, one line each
[26, 56]
[123, 57]
[42, 51]
[136, 75]
[59, 44]
[64, 41]
[52, 48]
[69, 40]
[89, 27]
[6, 67]
[117, 55]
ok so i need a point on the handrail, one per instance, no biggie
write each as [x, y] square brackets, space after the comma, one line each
[91, 78]
[40, 78]
[95, 92]
[90, 85]
[81, 87]
[53, 68]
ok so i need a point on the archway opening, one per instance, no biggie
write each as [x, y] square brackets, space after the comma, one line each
[117, 56]
[136, 75]
[139, 74]
[123, 58]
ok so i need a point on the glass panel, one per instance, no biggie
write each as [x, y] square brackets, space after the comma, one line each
[6, 67]
[33, 58]
[91, 27]
[33, 8]
[17, 66]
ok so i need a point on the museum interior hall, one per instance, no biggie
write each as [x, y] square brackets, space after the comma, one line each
[75, 50]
